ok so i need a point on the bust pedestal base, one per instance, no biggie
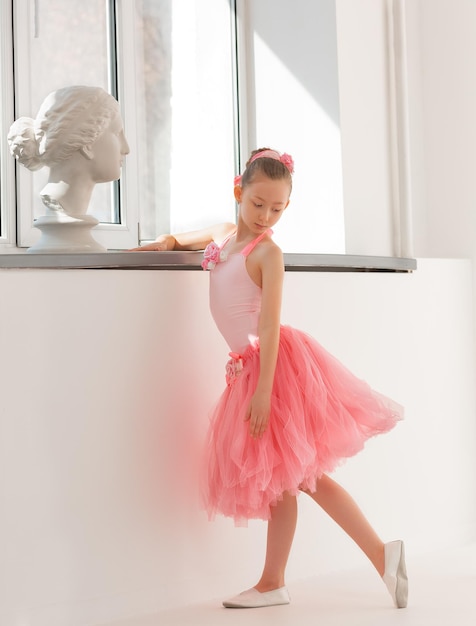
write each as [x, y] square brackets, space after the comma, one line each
[63, 233]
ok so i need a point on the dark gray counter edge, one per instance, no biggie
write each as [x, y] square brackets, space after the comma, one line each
[191, 261]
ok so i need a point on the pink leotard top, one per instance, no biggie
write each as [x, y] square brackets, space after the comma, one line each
[235, 300]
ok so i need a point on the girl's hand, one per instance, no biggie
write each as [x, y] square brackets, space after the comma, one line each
[162, 243]
[258, 414]
[150, 247]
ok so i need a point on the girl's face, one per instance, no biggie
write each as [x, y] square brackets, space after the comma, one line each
[108, 151]
[262, 202]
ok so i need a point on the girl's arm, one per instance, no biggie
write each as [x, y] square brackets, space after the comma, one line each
[272, 273]
[193, 240]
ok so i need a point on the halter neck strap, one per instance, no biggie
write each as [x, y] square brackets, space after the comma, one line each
[250, 247]
[226, 240]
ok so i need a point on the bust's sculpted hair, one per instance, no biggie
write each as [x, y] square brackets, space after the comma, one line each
[68, 120]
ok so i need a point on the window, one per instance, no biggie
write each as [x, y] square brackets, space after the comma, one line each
[49, 40]
[170, 65]
[200, 84]
[183, 90]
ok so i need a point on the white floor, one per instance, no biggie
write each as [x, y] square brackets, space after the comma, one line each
[442, 593]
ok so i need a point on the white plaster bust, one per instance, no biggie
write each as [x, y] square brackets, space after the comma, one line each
[78, 134]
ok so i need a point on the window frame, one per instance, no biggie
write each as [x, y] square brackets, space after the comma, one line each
[7, 164]
[119, 236]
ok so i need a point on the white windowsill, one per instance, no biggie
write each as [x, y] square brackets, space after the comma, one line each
[191, 261]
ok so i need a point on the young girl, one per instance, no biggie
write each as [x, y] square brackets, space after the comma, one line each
[290, 412]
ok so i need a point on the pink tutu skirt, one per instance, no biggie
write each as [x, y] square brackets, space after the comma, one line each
[320, 414]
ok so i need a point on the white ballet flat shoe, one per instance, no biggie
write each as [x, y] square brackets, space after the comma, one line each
[253, 599]
[395, 576]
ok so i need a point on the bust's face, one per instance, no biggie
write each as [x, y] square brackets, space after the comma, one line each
[108, 152]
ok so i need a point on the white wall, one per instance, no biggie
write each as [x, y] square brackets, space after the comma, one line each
[442, 101]
[107, 379]
[362, 43]
[305, 96]
[441, 53]
[448, 125]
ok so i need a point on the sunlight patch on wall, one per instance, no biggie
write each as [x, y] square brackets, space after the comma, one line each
[290, 119]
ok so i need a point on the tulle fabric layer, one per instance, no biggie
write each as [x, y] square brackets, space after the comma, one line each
[320, 414]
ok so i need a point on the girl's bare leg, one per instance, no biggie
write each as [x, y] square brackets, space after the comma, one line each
[281, 529]
[339, 505]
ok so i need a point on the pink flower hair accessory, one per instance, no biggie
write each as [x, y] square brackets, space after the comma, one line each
[287, 160]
